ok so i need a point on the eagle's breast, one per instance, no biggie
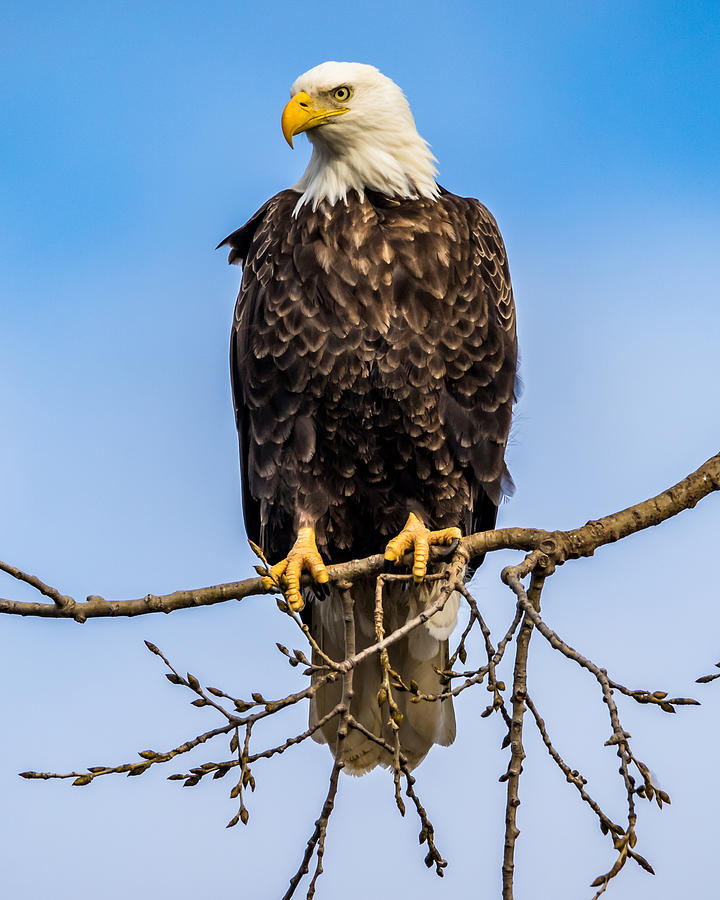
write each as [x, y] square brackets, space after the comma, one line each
[376, 362]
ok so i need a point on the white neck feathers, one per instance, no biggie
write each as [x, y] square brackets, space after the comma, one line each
[405, 170]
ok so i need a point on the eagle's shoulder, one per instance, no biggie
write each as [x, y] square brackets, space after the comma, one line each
[487, 254]
[277, 209]
[482, 228]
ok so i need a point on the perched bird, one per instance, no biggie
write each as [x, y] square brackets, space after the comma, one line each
[373, 360]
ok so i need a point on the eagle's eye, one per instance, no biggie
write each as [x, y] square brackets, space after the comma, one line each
[341, 94]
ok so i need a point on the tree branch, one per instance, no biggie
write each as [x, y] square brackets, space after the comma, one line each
[545, 550]
[512, 776]
[558, 545]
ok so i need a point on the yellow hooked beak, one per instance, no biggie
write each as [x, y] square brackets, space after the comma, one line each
[303, 113]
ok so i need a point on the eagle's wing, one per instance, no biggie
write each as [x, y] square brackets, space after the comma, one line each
[249, 246]
[480, 364]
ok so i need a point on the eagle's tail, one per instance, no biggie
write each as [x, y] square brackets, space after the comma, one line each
[414, 657]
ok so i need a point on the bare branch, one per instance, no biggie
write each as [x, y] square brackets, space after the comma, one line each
[558, 545]
[545, 550]
[512, 776]
[317, 838]
[316, 843]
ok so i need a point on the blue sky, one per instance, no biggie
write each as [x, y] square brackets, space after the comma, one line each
[135, 136]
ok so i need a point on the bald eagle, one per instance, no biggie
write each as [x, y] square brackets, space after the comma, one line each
[373, 360]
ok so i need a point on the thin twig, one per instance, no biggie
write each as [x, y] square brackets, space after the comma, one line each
[319, 832]
[517, 751]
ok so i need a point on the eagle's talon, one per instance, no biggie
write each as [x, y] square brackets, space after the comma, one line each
[416, 537]
[304, 556]
[317, 593]
[448, 551]
[269, 583]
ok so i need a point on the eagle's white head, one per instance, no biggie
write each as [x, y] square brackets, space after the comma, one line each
[363, 136]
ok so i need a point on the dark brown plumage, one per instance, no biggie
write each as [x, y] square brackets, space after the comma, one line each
[373, 359]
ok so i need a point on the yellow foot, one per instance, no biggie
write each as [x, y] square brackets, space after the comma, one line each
[304, 556]
[417, 537]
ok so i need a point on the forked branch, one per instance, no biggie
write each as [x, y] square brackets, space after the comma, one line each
[240, 717]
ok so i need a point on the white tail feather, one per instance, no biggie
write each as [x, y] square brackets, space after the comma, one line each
[414, 657]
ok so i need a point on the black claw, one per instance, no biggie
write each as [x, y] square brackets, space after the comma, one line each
[388, 566]
[316, 593]
[449, 550]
